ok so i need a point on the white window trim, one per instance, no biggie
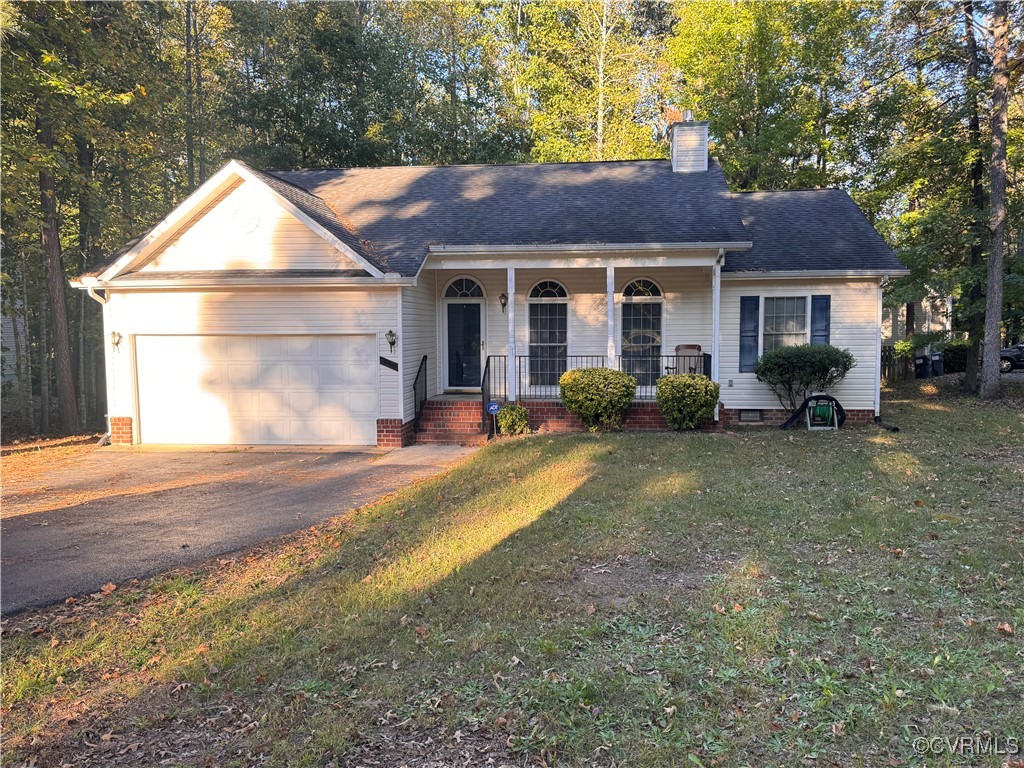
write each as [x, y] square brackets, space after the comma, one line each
[567, 300]
[807, 317]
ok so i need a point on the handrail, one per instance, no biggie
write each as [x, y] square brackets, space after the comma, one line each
[419, 393]
[485, 397]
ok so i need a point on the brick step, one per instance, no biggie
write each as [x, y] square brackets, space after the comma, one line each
[475, 409]
[445, 423]
[449, 430]
[452, 438]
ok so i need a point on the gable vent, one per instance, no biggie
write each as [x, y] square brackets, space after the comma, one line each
[689, 144]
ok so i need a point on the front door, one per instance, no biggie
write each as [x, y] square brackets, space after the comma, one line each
[463, 345]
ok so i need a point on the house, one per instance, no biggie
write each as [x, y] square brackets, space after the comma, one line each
[932, 314]
[354, 306]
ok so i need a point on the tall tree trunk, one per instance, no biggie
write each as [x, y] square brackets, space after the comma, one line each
[88, 236]
[44, 363]
[990, 384]
[602, 55]
[50, 237]
[200, 123]
[908, 332]
[28, 410]
[975, 295]
[190, 156]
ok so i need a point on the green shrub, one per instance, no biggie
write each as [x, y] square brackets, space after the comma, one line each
[599, 396]
[905, 348]
[513, 419]
[795, 372]
[685, 399]
[954, 356]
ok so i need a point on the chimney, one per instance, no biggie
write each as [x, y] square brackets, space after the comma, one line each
[689, 144]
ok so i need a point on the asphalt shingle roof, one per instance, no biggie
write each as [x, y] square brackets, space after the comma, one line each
[808, 229]
[405, 209]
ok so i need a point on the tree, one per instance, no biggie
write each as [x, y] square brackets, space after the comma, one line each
[990, 382]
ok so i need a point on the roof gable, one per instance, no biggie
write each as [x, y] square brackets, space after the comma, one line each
[208, 199]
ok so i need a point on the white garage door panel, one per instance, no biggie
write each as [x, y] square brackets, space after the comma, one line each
[223, 390]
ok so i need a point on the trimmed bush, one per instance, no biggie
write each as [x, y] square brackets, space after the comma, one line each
[954, 356]
[513, 419]
[684, 399]
[795, 372]
[599, 396]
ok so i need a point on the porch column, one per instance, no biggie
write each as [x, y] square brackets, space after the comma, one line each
[610, 277]
[716, 317]
[510, 371]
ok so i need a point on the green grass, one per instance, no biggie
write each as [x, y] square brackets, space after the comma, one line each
[757, 598]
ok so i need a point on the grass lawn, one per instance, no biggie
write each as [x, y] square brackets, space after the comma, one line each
[751, 599]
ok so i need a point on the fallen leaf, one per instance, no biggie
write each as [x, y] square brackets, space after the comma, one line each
[108, 588]
[737, 608]
[1005, 628]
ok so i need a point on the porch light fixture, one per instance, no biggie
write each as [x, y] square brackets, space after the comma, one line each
[391, 339]
[115, 339]
[503, 300]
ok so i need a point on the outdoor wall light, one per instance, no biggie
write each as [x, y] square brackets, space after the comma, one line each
[503, 300]
[115, 339]
[391, 339]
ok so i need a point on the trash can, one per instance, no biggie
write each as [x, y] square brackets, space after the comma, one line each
[922, 367]
[938, 364]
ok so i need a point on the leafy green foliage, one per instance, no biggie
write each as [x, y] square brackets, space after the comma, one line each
[598, 396]
[954, 356]
[795, 372]
[514, 419]
[685, 399]
[904, 348]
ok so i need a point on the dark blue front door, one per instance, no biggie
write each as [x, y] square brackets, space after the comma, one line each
[463, 345]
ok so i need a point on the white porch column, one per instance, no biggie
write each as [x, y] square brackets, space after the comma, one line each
[610, 275]
[716, 317]
[510, 371]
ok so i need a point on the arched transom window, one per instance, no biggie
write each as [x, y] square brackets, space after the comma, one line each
[548, 289]
[641, 331]
[464, 288]
[642, 289]
[549, 332]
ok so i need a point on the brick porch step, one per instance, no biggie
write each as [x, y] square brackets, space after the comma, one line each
[452, 437]
[452, 422]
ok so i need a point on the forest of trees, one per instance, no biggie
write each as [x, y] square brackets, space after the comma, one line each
[112, 112]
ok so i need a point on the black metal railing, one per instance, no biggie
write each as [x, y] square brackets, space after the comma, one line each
[537, 377]
[493, 386]
[419, 393]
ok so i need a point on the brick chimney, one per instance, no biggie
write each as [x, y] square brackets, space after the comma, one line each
[689, 144]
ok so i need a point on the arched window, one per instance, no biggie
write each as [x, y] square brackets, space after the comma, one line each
[548, 289]
[641, 331]
[549, 332]
[464, 288]
[642, 288]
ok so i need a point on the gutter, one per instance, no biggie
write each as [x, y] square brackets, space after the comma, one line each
[811, 274]
[587, 248]
[90, 284]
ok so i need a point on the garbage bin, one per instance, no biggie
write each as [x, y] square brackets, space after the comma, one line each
[938, 364]
[922, 367]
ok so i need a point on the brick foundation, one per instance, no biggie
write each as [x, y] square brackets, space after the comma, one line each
[773, 417]
[121, 430]
[551, 416]
[393, 433]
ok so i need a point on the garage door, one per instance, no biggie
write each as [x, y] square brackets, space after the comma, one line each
[288, 390]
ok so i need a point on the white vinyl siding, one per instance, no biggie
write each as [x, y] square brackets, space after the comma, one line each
[255, 312]
[246, 228]
[420, 333]
[854, 326]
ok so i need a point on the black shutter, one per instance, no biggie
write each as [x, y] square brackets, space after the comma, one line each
[750, 312]
[821, 323]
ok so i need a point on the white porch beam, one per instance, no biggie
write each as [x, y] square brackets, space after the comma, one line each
[510, 371]
[716, 318]
[610, 277]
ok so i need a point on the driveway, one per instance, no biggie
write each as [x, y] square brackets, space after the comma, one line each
[72, 524]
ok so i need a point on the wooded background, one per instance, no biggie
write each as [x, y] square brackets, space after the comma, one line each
[114, 112]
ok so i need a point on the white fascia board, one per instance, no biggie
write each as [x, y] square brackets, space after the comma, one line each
[815, 274]
[319, 230]
[178, 217]
[584, 248]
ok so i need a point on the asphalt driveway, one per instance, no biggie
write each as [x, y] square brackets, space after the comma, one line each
[113, 514]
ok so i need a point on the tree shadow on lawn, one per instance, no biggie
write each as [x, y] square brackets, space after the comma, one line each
[627, 598]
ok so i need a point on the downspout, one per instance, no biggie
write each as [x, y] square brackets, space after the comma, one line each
[102, 300]
[716, 318]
